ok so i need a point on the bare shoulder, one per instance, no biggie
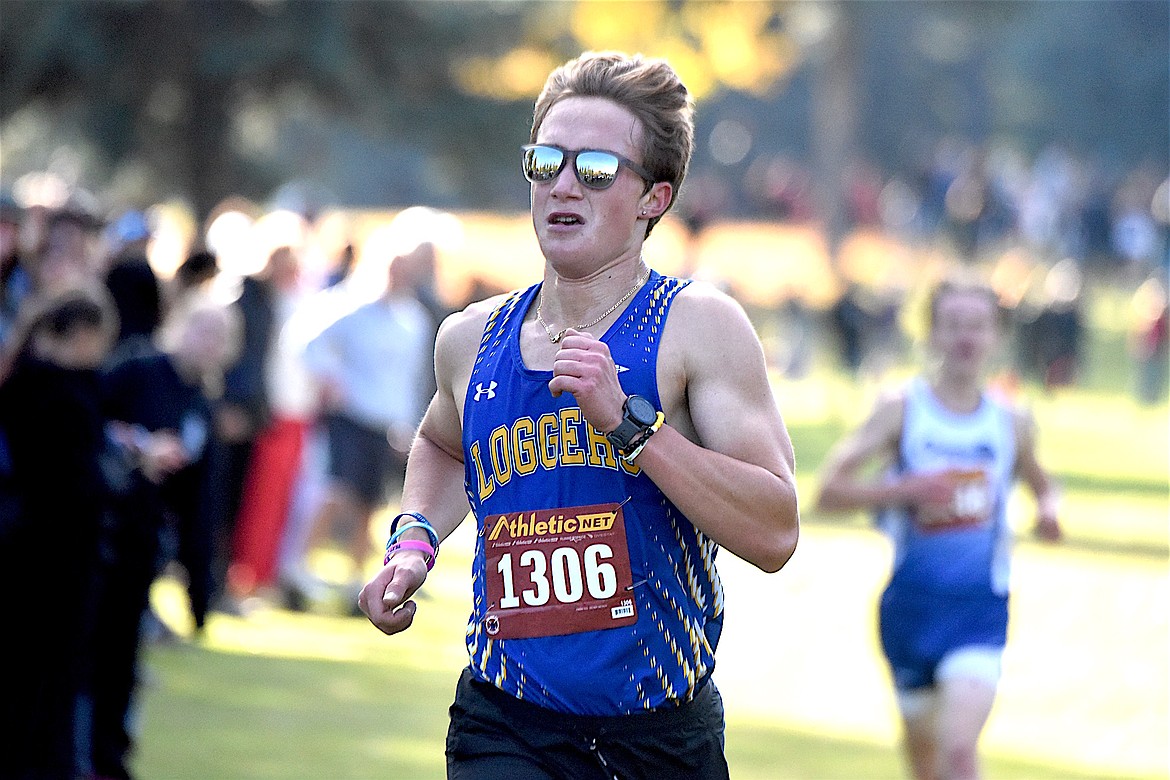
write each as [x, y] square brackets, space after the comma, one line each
[883, 428]
[702, 303]
[464, 328]
[709, 325]
[460, 333]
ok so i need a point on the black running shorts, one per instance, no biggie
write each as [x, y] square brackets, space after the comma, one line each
[494, 735]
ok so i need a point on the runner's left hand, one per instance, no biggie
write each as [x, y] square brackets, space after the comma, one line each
[584, 367]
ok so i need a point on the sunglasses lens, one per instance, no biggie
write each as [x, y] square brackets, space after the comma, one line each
[597, 170]
[542, 163]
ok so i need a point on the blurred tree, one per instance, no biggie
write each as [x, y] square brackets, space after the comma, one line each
[713, 44]
[412, 101]
[834, 119]
[170, 84]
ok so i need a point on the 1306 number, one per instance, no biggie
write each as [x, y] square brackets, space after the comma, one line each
[570, 579]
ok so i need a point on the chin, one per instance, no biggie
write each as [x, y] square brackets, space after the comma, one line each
[566, 256]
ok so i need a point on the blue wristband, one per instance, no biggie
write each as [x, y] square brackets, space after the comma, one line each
[396, 531]
[417, 517]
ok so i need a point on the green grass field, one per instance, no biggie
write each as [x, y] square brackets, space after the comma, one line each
[1084, 694]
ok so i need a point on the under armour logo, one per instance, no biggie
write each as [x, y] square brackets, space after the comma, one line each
[489, 391]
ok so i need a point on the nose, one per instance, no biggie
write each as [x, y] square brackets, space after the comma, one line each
[565, 185]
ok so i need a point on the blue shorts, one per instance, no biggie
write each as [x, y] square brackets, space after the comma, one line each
[919, 629]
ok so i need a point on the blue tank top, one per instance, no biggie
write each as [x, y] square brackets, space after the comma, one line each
[968, 550]
[526, 450]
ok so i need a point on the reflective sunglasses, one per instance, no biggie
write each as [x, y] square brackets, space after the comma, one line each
[596, 169]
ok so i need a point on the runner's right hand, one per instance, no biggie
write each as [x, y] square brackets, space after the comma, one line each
[385, 598]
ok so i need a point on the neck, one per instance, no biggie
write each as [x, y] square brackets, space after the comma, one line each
[959, 394]
[569, 301]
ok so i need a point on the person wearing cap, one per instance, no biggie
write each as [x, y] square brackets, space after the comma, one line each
[613, 429]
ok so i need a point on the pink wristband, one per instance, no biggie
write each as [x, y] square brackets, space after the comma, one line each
[412, 544]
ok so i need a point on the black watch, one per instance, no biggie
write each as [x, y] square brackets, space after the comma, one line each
[638, 415]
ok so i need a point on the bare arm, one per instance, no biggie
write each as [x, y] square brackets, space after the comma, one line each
[844, 487]
[1043, 487]
[735, 480]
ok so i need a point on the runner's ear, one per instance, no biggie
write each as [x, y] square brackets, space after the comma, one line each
[656, 200]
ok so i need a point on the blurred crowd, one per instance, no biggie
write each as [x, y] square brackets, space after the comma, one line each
[194, 423]
[872, 327]
[1044, 228]
[1057, 204]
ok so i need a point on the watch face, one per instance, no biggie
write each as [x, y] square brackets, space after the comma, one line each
[641, 410]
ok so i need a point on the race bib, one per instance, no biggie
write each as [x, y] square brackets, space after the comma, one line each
[971, 502]
[557, 571]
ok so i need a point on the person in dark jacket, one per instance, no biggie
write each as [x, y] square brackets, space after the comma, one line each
[158, 409]
[52, 432]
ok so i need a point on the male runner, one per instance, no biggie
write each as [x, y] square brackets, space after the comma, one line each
[612, 428]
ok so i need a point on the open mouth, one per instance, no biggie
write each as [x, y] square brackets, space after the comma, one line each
[565, 219]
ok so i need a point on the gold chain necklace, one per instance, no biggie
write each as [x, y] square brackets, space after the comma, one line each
[556, 337]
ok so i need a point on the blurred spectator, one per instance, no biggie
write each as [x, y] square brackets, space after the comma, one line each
[158, 409]
[1057, 333]
[965, 201]
[945, 165]
[275, 458]
[243, 409]
[1095, 217]
[194, 277]
[426, 293]
[1051, 204]
[372, 366]
[52, 432]
[884, 340]
[340, 297]
[848, 319]
[794, 355]
[133, 285]
[66, 258]
[1134, 234]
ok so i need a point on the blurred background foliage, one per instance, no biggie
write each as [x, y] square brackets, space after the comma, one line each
[386, 104]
